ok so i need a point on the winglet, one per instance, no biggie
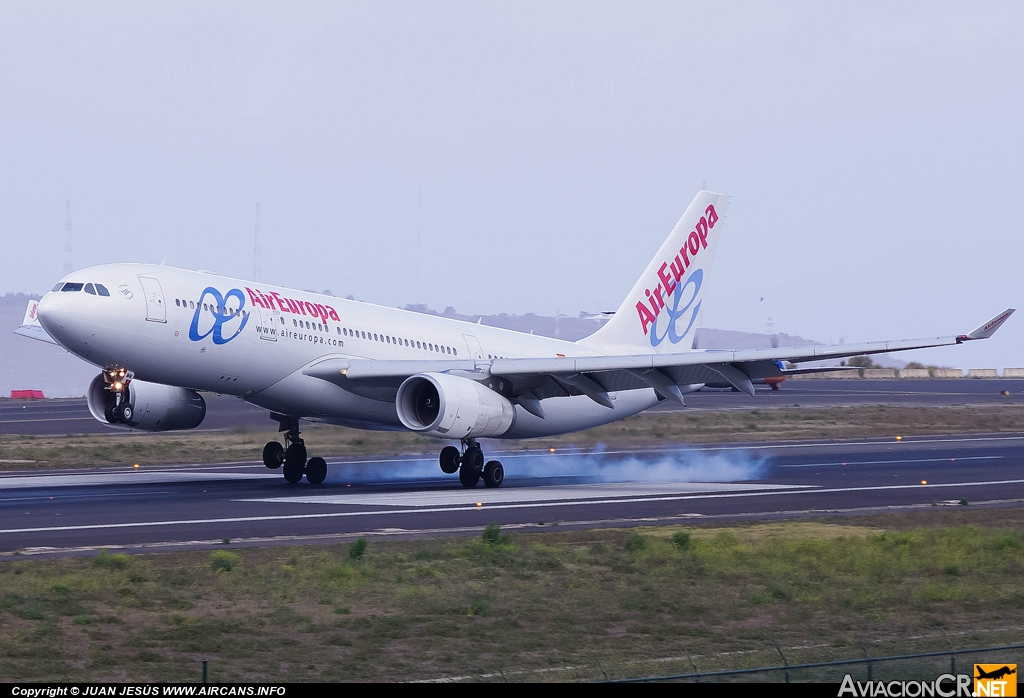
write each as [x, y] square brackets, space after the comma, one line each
[989, 328]
[30, 326]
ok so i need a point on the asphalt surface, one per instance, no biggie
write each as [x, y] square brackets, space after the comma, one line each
[188, 507]
[71, 416]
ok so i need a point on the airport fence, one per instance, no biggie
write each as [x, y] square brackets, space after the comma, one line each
[922, 665]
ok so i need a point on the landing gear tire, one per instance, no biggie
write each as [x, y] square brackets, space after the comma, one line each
[124, 413]
[468, 476]
[474, 459]
[273, 455]
[108, 412]
[316, 470]
[494, 473]
[294, 462]
[449, 460]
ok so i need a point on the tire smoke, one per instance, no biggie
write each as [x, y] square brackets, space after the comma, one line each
[597, 466]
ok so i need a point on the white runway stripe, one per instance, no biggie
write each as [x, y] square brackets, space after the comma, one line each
[433, 498]
[891, 462]
[524, 505]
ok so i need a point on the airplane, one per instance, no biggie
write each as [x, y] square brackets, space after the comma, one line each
[159, 335]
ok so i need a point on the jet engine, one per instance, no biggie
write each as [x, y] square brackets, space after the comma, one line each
[439, 404]
[154, 407]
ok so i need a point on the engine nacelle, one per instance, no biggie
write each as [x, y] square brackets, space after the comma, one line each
[438, 404]
[155, 407]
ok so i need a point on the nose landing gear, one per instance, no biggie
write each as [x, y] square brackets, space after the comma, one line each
[471, 465]
[293, 458]
[118, 406]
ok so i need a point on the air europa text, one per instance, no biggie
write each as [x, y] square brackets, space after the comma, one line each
[274, 300]
[670, 273]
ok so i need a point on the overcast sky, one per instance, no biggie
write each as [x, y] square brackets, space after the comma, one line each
[539, 152]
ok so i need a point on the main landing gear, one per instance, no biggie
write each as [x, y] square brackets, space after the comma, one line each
[470, 465]
[293, 458]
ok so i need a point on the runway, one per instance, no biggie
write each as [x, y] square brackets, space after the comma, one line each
[185, 507]
[71, 415]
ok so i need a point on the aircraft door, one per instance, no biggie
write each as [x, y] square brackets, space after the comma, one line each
[270, 323]
[155, 310]
[473, 344]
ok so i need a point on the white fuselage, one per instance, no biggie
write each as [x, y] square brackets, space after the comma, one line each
[208, 332]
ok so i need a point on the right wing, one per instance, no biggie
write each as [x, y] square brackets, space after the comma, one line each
[531, 380]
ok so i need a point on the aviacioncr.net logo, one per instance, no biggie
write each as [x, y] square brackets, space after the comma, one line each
[672, 313]
[220, 315]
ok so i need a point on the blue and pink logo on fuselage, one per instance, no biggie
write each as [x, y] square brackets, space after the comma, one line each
[213, 304]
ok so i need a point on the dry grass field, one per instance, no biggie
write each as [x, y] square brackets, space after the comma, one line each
[557, 606]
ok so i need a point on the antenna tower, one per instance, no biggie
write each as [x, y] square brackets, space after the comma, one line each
[256, 268]
[69, 265]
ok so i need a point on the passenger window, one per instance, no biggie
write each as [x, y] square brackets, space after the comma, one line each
[345, 333]
[388, 339]
[177, 302]
[102, 290]
[71, 288]
[90, 290]
[338, 329]
[191, 304]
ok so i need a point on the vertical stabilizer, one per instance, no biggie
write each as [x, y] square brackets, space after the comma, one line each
[660, 314]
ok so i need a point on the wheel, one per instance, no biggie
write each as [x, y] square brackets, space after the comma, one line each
[124, 412]
[449, 459]
[294, 462]
[494, 473]
[273, 455]
[316, 470]
[108, 412]
[468, 477]
[474, 458]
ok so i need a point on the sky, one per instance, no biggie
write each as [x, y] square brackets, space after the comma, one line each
[532, 156]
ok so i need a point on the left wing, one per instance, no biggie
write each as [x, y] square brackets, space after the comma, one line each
[527, 381]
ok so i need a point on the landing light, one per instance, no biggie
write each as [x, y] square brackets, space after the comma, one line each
[117, 385]
[924, 482]
[479, 504]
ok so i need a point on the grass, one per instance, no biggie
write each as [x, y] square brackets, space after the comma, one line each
[783, 423]
[554, 606]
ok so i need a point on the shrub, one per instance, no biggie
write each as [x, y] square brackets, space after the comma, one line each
[356, 550]
[117, 561]
[636, 542]
[681, 540]
[223, 560]
[492, 535]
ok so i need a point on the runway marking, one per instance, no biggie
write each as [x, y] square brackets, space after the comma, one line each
[147, 477]
[49, 419]
[530, 505]
[891, 462]
[521, 494]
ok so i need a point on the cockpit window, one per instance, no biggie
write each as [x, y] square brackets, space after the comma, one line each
[90, 290]
[102, 290]
[70, 287]
[57, 287]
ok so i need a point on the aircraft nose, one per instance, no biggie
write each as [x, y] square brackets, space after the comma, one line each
[54, 312]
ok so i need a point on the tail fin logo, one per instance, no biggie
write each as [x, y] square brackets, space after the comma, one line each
[674, 283]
